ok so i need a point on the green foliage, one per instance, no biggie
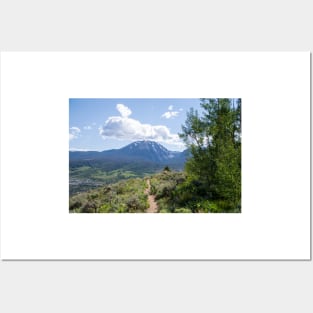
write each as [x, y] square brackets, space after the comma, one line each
[123, 197]
[75, 204]
[183, 210]
[89, 207]
[85, 178]
[136, 203]
[85, 175]
[164, 186]
[214, 170]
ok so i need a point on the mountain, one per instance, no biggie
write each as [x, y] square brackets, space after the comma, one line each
[148, 151]
[91, 169]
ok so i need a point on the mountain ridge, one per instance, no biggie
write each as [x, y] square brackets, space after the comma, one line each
[91, 169]
[144, 150]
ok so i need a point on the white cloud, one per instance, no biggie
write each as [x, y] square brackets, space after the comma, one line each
[87, 127]
[123, 109]
[79, 149]
[75, 129]
[170, 114]
[123, 127]
[73, 133]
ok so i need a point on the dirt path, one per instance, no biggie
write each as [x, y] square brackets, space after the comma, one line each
[153, 207]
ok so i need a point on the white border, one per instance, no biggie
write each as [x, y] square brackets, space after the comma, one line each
[275, 90]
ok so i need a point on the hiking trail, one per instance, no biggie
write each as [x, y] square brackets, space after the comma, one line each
[153, 207]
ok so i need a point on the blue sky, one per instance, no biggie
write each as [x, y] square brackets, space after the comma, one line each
[102, 124]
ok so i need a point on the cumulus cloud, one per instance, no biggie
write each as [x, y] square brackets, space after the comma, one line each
[170, 114]
[124, 110]
[124, 127]
[73, 133]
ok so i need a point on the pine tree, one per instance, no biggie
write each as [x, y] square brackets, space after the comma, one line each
[215, 144]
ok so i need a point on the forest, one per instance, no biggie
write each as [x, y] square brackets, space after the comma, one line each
[209, 183]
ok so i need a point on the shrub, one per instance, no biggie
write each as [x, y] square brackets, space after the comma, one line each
[183, 210]
[134, 204]
[75, 204]
[92, 196]
[163, 211]
[104, 208]
[89, 207]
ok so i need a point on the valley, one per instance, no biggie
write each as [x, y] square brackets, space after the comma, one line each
[152, 194]
[135, 179]
[91, 169]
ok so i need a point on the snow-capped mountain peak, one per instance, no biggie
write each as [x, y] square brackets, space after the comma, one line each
[150, 150]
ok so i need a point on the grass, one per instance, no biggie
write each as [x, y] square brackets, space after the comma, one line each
[126, 196]
[173, 191]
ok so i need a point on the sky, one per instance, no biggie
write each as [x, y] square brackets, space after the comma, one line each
[103, 124]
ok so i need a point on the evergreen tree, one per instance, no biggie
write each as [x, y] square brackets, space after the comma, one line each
[214, 139]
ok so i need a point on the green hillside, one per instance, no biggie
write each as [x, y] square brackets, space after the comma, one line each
[172, 191]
